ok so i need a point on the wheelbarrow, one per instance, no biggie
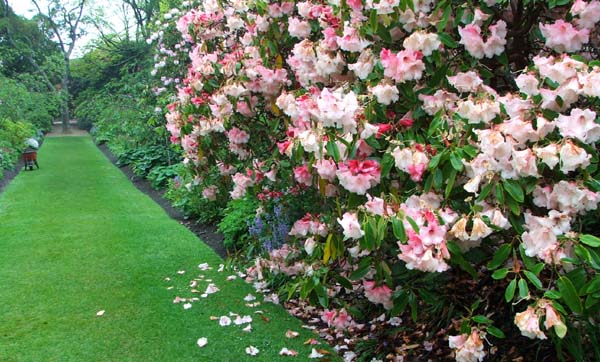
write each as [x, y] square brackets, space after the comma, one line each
[30, 159]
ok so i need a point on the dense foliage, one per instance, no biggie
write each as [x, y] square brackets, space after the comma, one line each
[436, 144]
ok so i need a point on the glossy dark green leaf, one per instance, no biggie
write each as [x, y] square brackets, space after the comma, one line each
[569, 294]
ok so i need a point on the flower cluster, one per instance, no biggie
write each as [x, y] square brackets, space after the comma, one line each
[390, 115]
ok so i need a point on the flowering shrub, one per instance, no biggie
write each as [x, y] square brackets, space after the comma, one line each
[435, 137]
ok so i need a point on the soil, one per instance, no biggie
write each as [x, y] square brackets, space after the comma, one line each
[207, 233]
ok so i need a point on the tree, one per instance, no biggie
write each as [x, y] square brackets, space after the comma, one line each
[64, 19]
[143, 12]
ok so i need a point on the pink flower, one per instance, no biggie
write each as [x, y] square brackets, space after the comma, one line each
[589, 13]
[359, 176]
[467, 348]
[563, 37]
[302, 175]
[210, 192]
[465, 82]
[423, 42]
[385, 93]
[378, 295]
[573, 157]
[412, 162]
[529, 324]
[580, 124]
[403, 66]
[326, 169]
[298, 28]
[470, 37]
[350, 40]
[350, 226]
[237, 136]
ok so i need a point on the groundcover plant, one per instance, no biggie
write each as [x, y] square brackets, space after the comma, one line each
[407, 157]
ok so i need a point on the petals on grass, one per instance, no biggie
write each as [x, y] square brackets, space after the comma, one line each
[315, 354]
[291, 334]
[251, 350]
[242, 320]
[312, 341]
[167, 279]
[181, 272]
[288, 352]
[232, 277]
[203, 266]
[247, 328]
[202, 342]
[249, 298]
[211, 289]
[178, 300]
[213, 318]
[187, 305]
[224, 321]
[100, 313]
[221, 268]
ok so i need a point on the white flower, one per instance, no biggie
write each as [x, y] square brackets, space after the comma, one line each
[201, 342]
[242, 320]
[253, 351]
[187, 305]
[247, 328]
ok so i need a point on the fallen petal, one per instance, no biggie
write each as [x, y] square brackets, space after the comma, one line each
[315, 354]
[202, 342]
[100, 313]
[248, 328]
[253, 351]
[291, 334]
[224, 321]
[288, 352]
[180, 272]
[187, 305]
[249, 298]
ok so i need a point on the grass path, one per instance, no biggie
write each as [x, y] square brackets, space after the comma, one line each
[76, 238]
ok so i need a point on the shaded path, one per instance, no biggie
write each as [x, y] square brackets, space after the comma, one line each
[76, 238]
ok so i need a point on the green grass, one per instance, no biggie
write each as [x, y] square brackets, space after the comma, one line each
[76, 237]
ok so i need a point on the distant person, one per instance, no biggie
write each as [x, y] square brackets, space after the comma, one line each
[30, 154]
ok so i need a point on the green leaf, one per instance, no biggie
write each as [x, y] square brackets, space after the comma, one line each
[500, 274]
[456, 161]
[387, 162]
[523, 289]
[450, 184]
[333, 150]
[590, 240]
[499, 193]
[457, 257]
[509, 293]
[435, 160]
[533, 279]
[515, 190]
[447, 40]
[398, 229]
[500, 256]
[552, 294]
[485, 191]
[496, 332]
[560, 330]
[482, 319]
[343, 282]
[569, 294]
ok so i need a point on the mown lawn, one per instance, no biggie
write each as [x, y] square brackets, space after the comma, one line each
[76, 237]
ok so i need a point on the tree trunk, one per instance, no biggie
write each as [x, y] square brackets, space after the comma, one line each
[65, 97]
